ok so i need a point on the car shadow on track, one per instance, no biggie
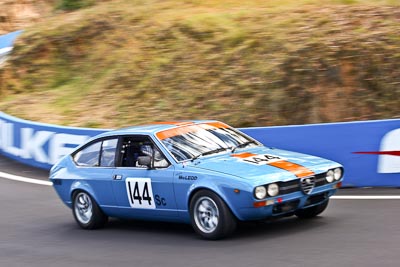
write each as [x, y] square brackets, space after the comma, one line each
[280, 227]
[149, 226]
[246, 230]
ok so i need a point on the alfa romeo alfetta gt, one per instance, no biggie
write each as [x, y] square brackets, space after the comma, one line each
[205, 173]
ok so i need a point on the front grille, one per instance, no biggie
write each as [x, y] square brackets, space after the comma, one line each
[296, 185]
[320, 179]
[307, 184]
[289, 187]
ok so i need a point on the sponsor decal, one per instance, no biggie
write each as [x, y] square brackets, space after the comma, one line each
[140, 193]
[275, 161]
[389, 154]
[187, 177]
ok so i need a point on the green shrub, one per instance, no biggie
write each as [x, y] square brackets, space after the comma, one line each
[74, 4]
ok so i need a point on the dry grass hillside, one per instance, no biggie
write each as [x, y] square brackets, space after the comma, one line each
[19, 14]
[248, 63]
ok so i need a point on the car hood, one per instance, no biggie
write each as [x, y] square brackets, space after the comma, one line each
[265, 165]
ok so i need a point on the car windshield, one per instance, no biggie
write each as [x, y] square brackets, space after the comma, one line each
[192, 141]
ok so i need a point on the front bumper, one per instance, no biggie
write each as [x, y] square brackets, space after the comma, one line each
[287, 204]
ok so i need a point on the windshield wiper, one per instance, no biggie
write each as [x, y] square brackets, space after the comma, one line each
[243, 145]
[209, 153]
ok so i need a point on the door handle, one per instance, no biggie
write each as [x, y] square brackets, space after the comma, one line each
[117, 177]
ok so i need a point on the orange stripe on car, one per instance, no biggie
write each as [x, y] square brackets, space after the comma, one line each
[185, 128]
[296, 169]
[217, 124]
[176, 131]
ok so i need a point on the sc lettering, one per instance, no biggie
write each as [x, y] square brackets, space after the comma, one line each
[160, 201]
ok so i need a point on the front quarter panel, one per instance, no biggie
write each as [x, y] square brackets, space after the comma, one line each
[188, 181]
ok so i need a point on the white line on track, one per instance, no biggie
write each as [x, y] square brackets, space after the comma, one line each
[24, 179]
[41, 182]
[365, 197]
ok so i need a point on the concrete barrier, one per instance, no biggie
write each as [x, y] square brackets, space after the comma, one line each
[369, 150]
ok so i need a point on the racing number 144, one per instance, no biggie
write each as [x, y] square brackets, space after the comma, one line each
[136, 193]
[140, 193]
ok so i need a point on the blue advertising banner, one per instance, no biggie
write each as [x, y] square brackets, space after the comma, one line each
[7, 41]
[369, 151]
[37, 144]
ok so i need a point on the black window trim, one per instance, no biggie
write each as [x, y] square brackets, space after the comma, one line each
[101, 139]
[119, 148]
[118, 153]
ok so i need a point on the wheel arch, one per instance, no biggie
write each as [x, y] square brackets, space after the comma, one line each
[78, 186]
[216, 191]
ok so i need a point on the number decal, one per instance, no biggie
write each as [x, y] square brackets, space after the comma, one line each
[145, 194]
[136, 194]
[262, 159]
[140, 193]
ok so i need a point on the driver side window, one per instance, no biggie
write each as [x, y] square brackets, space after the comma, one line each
[134, 147]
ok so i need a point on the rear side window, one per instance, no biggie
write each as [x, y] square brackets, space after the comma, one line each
[107, 157]
[99, 154]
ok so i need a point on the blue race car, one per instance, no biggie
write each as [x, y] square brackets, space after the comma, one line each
[203, 172]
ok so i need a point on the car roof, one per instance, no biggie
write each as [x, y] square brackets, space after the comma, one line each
[152, 128]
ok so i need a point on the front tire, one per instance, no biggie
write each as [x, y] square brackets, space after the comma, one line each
[86, 212]
[313, 211]
[211, 218]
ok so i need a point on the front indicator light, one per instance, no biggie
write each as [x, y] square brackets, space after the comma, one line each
[260, 192]
[338, 185]
[273, 190]
[263, 203]
[259, 204]
[330, 176]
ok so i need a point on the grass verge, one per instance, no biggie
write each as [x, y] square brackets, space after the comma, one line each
[256, 63]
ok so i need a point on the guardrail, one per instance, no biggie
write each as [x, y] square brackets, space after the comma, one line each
[369, 150]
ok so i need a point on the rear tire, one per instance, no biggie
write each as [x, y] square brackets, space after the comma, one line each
[313, 211]
[86, 212]
[211, 218]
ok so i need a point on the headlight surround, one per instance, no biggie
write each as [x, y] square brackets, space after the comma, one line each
[337, 173]
[260, 192]
[273, 190]
[330, 176]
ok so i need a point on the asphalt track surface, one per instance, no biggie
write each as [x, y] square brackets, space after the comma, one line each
[36, 229]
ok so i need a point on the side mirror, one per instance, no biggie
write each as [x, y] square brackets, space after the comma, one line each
[144, 161]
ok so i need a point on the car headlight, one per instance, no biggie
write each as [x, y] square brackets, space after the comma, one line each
[260, 192]
[337, 173]
[273, 190]
[330, 176]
